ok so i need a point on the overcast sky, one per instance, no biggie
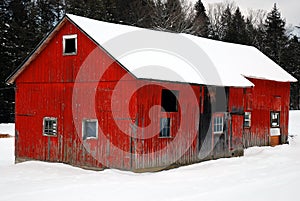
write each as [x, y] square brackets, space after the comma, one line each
[290, 9]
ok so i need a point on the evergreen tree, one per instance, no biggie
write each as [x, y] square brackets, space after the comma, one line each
[135, 12]
[5, 36]
[124, 12]
[236, 29]
[226, 19]
[44, 14]
[109, 10]
[201, 21]
[251, 32]
[142, 12]
[291, 60]
[275, 39]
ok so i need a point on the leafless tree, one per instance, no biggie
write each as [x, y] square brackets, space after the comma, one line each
[173, 15]
[256, 17]
[215, 13]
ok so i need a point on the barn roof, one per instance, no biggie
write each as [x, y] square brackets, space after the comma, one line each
[149, 54]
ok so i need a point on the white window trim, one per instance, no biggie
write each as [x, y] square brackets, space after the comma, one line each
[222, 123]
[64, 44]
[170, 126]
[278, 125]
[247, 120]
[51, 119]
[83, 128]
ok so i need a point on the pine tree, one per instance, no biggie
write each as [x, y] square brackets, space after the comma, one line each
[251, 32]
[46, 12]
[8, 54]
[109, 10]
[291, 61]
[134, 12]
[236, 29]
[142, 12]
[5, 37]
[201, 21]
[275, 39]
[225, 23]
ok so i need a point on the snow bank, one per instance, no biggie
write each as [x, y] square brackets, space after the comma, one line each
[7, 129]
[264, 173]
[7, 145]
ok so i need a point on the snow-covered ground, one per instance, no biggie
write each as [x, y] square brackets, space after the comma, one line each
[264, 173]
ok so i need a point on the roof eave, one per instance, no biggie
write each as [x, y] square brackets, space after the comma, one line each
[292, 79]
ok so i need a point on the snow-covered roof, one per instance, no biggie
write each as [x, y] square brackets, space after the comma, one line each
[246, 60]
[149, 54]
[181, 57]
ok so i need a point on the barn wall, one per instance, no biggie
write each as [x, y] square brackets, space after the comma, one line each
[65, 87]
[51, 66]
[236, 111]
[260, 100]
[181, 148]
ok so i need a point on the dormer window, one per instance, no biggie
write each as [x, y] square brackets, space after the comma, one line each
[70, 44]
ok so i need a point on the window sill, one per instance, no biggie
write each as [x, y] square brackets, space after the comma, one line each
[90, 138]
[165, 137]
[49, 135]
[70, 54]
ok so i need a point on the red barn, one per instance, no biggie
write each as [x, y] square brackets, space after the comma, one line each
[100, 95]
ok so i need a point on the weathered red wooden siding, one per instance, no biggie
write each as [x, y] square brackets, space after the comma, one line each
[46, 88]
[153, 151]
[260, 101]
[236, 111]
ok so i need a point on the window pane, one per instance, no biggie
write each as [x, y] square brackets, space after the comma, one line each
[247, 119]
[70, 46]
[90, 129]
[275, 119]
[164, 127]
[218, 124]
[50, 126]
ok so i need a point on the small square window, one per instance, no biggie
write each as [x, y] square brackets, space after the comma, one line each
[169, 101]
[218, 124]
[70, 44]
[275, 119]
[164, 127]
[89, 129]
[50, 126]
[247, 120]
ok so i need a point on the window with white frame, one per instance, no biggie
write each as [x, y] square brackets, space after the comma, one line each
[50, 126]
[275, 119]
[89, 129]
[247, 120]
[165, 127]
[218, 124]
[70, 44]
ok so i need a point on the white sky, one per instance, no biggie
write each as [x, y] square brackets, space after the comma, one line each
[290, 9]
